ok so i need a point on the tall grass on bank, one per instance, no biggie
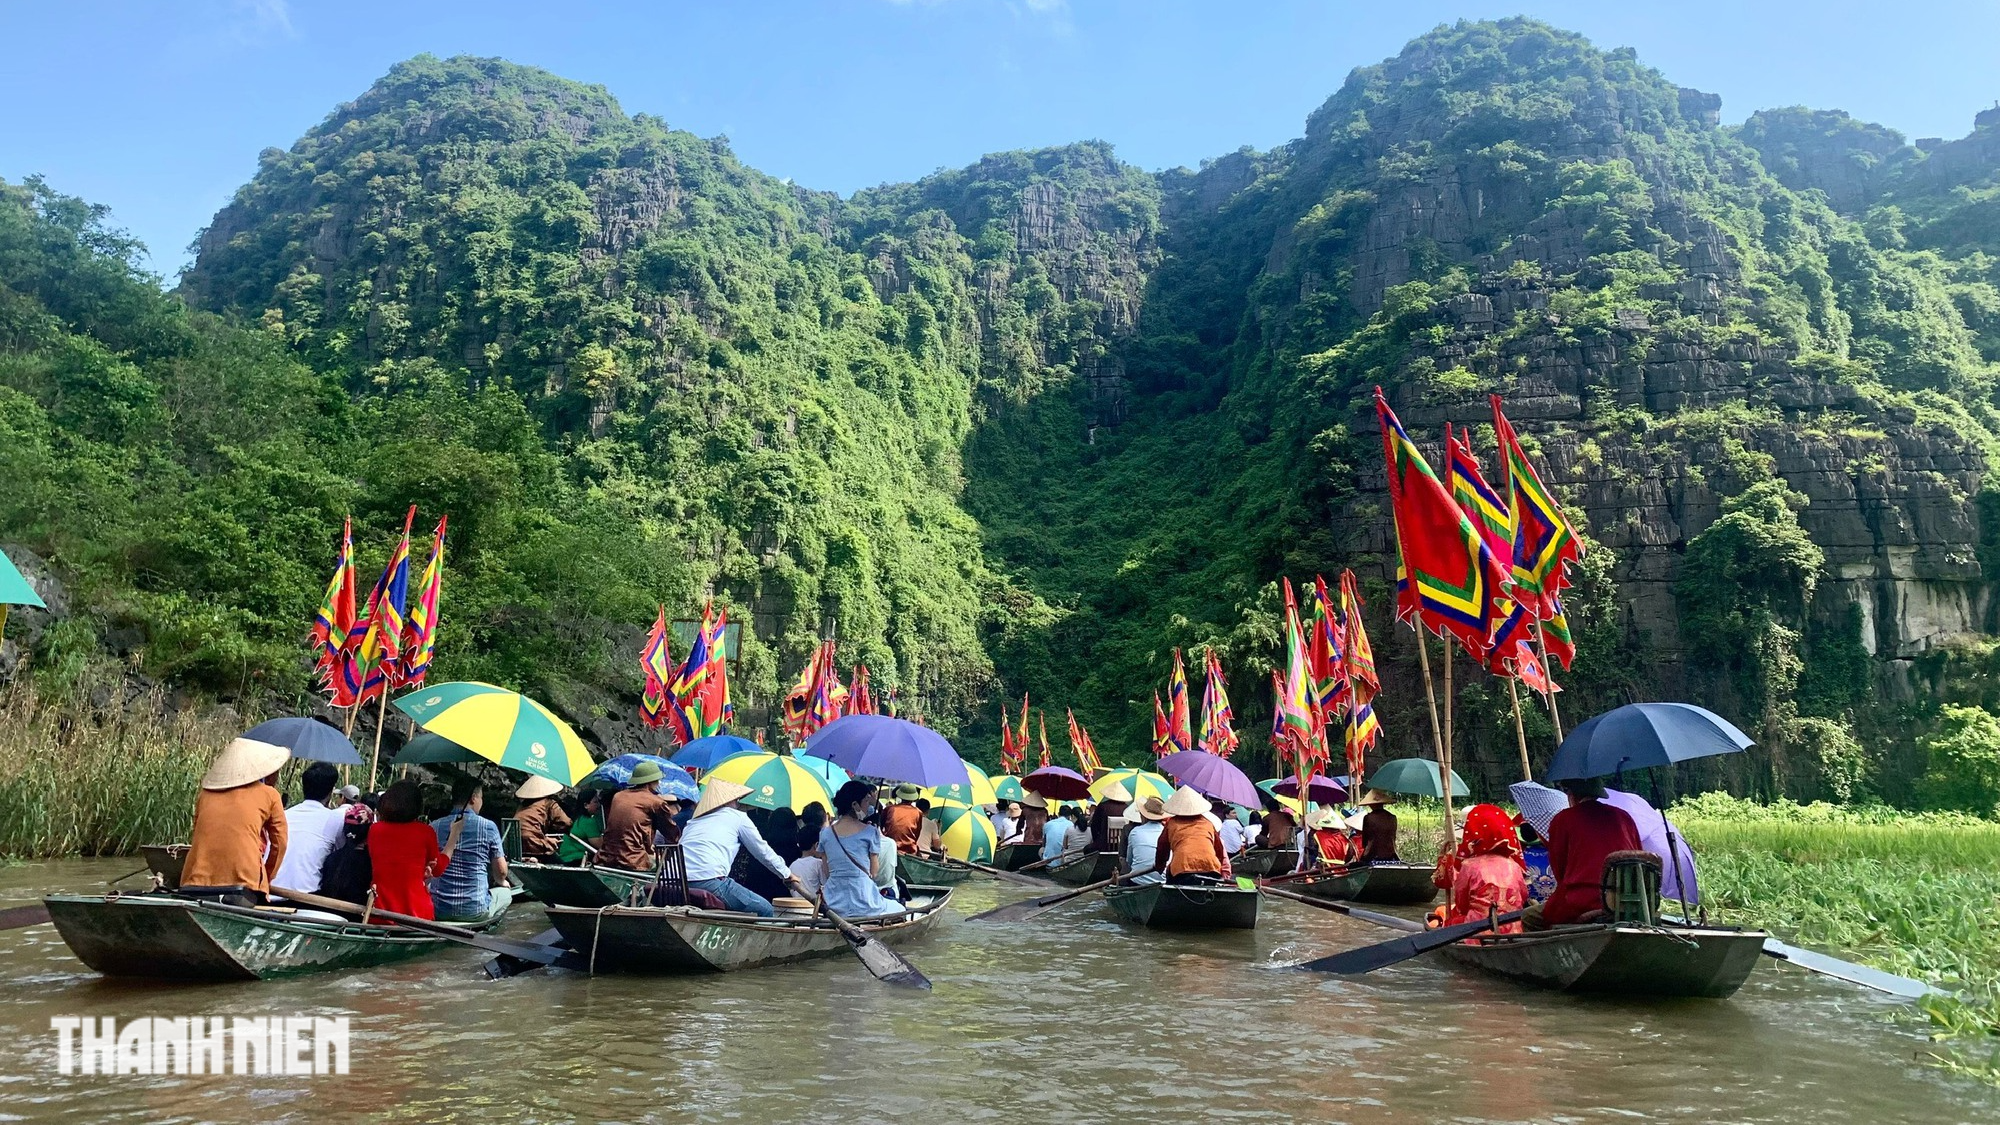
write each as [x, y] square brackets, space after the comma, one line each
[77, 780]
[1917, 894]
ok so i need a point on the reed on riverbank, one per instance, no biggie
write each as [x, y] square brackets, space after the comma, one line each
[1913, 893]
[81, 780]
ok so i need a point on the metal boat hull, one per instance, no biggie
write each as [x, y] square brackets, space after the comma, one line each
[1162, 906]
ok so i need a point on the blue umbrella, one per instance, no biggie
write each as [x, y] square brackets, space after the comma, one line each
[675, 782]
[309, 739]
[890, 749]
[1639, 735]
[826, 771]
[704, 753]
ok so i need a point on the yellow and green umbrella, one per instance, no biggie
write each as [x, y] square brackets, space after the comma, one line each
[966, 834]
[776, 781]
[1007, 787]
[1140, 783]
[971, 795]
[504, 727]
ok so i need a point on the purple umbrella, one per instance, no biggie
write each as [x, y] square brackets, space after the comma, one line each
[890, 749]
[1678, 868]
[1058, 783]
[1324, 790]
[1212, 777]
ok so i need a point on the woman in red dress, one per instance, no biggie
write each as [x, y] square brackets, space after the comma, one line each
[403, 850]
[1488, 876]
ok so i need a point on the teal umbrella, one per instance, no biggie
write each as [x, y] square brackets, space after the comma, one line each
[1417, 777]
[429, 749]
[14, 589]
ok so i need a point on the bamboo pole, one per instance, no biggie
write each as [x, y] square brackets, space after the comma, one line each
[1555, 712]
[1437, 732]
[1520, 733]
[1444, 757]
[381, 720]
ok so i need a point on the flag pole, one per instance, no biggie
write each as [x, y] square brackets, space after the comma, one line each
[1520, 734]
[1437, 733]
[381, 720]
[1444, 757]
[1555, 713]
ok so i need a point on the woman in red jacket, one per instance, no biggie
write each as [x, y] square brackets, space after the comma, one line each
[403, 850]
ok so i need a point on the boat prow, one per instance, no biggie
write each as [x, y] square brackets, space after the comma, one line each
[1179, 906]
[166, 936]
[1621, 960]
[565, 885]
[679, 939]
[918, 871]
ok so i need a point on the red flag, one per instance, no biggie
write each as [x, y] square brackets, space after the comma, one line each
[420, 631]
[860, 697]
[656, 662]
[1445, 577]
[1543, 541]
[1043, 718]
[1011, 753]
[1179, 726]
[1363, 729]
[1163, 734]
[333, 624]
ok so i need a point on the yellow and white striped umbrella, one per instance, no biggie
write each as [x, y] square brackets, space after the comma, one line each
[1140, 783]
[974, 794]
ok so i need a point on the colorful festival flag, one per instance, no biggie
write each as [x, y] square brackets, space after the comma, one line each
[1543, 540]
[1363, 729]
[1302, 727]
[701, 690]
[1079, 743]
[1218, 732]
[860, 696]
[368, 668]
[334, 622]
[1178, 725]
[1445, 577]
[656, 661]
[1043, 718]
[1557, 643]
[1326, 655]
[1011, 753]
[1163, 735]
[420, 632]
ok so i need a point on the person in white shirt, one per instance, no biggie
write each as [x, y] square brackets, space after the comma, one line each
[312, 830]
[1142, 840]
[1233, 839]
[712, 838]
[1006, 818]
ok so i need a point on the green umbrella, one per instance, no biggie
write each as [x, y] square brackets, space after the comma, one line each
[504, 727]
[14, 589]
[429, 749]
[1007, 787]
[1417, 777]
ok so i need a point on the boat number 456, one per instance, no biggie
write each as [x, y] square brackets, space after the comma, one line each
[715, 938]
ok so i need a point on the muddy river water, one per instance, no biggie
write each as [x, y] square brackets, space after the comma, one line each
[1070, 1018]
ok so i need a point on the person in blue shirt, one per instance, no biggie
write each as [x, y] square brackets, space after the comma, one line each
[476, 886]
[1061, 834]
[1142, 840]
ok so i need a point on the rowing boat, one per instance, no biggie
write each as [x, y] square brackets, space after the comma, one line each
[162, 935]
[1013, 857]
[1163, 906]
[932, 873]
[679, 939]
[1086, 868]
[563, 885]
[1386, 884]
[1621, 959]
[1259, 862]
[165, 860]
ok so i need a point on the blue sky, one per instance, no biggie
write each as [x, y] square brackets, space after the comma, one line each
[159, 110]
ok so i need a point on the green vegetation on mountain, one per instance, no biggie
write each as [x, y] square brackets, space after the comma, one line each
[1031, 424]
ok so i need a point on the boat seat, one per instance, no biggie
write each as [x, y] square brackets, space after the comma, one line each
[235, 894]
[1631, 887]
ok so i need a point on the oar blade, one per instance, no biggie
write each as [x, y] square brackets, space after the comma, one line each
[1849, 971]
[1368, 958]
[886, 965]
[15, 917]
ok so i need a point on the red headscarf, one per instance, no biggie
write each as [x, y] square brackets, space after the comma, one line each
[1489, 831]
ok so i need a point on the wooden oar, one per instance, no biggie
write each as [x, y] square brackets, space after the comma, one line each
[1850, 972]
[1389, 920]
[1008, 876]
[539, 954]
[16, 917]
[1035, 907]
[1369, 958]
[889, 966]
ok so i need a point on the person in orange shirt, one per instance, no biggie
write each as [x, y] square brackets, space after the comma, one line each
[1488, 876]
[1190, 848]
[903, 822]
[239, 821]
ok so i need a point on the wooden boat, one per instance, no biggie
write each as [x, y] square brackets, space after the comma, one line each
[1259, 862]
[1385, 884]
[918, 871]
[563, 885]
[1086, 868]
[164, 935]
[678, 939]
[1013, 857]
[165, 860]
[1621, 960]
[1163, 906]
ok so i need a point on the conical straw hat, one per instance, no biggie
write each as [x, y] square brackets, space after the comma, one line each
[535, 788]
[1116, 792]
[1186, 802]
[242, 762]
[718, 792]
